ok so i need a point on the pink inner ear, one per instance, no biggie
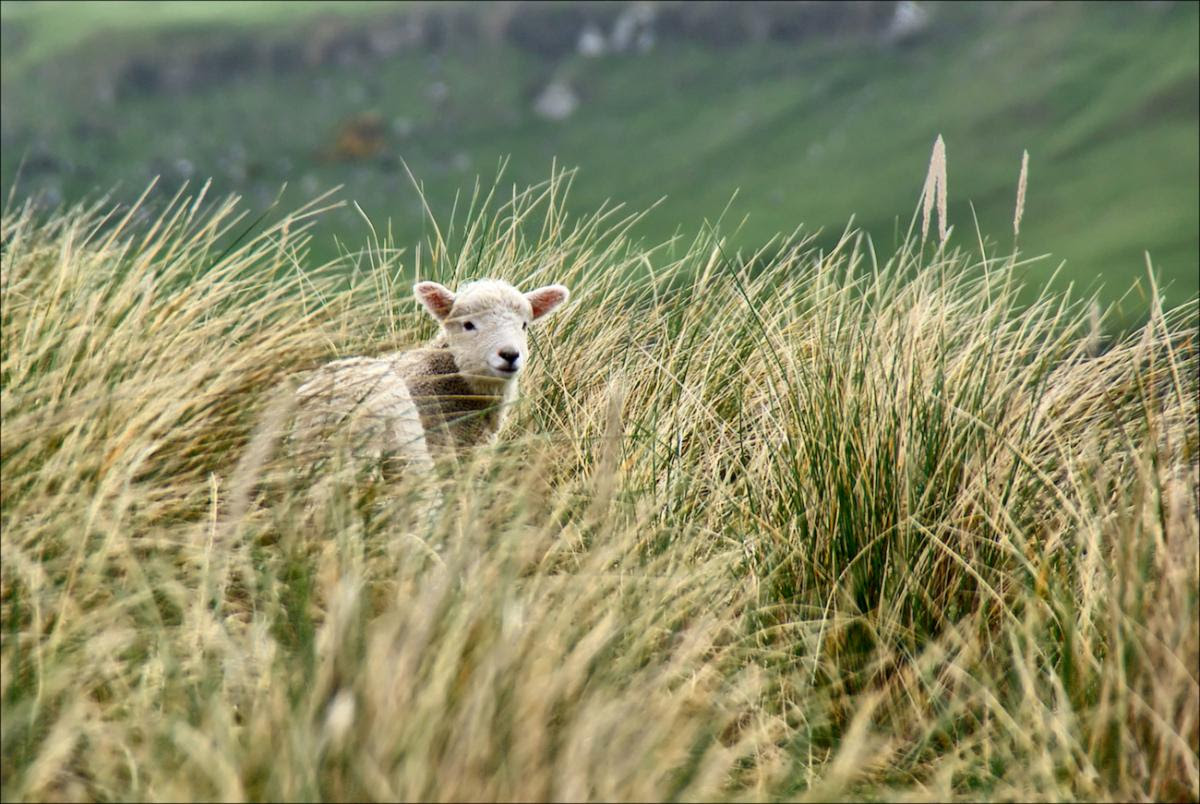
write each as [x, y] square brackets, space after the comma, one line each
[437, 299]
[543, 300]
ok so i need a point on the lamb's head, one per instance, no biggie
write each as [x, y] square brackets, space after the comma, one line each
[486, 323]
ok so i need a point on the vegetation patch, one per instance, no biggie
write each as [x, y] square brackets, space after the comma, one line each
[846, 525]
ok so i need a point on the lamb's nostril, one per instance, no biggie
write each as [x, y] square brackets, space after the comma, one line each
[510, 355]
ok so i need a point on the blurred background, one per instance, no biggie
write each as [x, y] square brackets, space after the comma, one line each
[813, 113]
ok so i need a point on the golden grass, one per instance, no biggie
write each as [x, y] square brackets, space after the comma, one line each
[830, 529]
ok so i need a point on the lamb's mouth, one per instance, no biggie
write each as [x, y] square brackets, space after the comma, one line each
[506, 372]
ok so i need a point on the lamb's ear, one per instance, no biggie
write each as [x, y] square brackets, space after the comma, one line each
[544, 300]
[437, 298]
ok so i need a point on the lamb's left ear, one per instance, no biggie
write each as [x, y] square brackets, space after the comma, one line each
[544, 300]
[437, 298]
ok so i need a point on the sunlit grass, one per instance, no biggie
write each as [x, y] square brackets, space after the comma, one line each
[822, 525]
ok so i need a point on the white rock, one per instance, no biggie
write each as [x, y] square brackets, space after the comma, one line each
[592, 42]
[630, 26]
[910, 19]
[557, 101]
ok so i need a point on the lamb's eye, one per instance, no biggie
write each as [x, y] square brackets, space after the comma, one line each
[524, 325]
[469, 327]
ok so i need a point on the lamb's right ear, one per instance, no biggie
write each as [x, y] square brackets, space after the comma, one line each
[437, 298]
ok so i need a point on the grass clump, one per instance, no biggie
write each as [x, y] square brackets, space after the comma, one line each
[832, 527]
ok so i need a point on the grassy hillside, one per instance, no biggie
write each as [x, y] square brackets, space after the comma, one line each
[854, 526]
[52, 29]
[808, 133]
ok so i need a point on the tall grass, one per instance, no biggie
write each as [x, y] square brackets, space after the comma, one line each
[831, 526]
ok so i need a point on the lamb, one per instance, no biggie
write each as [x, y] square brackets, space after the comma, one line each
[419, 406]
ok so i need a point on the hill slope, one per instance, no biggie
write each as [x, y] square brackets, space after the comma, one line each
[809, 131]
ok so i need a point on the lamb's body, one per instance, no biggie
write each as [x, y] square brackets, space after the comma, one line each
[417, 407]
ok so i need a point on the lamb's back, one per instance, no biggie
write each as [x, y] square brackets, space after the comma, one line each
[365, 402]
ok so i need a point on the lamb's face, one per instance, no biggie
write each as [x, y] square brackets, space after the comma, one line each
[486, 323]
[486, 331]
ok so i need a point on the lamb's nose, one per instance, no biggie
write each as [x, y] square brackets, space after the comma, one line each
[510, 355]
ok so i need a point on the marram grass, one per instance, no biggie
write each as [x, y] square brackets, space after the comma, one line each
[828, 527]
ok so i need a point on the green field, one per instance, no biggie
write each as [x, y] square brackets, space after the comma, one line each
[1104, 98]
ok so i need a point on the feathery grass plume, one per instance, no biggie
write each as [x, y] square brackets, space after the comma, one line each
[939, 159]
[1021, 185]
[861, 531]
[934, 192]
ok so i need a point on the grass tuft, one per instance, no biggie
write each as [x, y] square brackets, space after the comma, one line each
[810, 525]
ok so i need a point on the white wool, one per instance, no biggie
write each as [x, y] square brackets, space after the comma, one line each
[363, 403]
